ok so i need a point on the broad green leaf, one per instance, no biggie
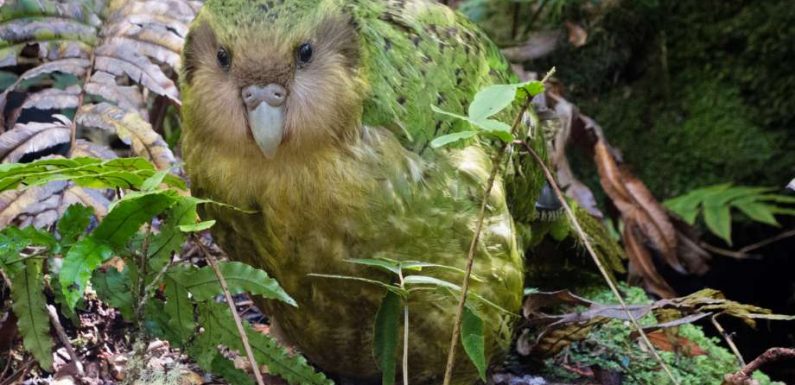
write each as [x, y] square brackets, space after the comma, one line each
[425, 280]
[73, 223]
[395, 289]
[203, 284]
[386, 335]
[380, 263]
[495, 128]
[448, 113]
[718, 220]
[179, 309]
[491, 100]
[128, 214]
[113, 287]
[196, 227]
[533, 87]
[473, 341]
[759, 212]
[444, 140]
[29, 306]
[78, 265]
[219, 329]
[154, 181]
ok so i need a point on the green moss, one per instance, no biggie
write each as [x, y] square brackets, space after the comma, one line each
[692, 92]
[611, 347]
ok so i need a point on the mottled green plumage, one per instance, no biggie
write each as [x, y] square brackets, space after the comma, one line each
[355, 176]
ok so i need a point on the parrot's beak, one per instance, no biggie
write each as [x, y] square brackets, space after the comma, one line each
[265, 109]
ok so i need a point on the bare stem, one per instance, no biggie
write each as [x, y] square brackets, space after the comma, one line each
[56, 323]
[765, 242]
[229, 301]
[592, 252]
[495, 168]
[728, 339]
[406, 343]
[772, 354]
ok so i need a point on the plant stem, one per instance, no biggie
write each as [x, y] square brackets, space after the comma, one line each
[406, 343]
[602, 269]
[496, 162]
[230, 301]
[405, 329]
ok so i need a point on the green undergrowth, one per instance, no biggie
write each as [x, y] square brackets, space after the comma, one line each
[611, 347]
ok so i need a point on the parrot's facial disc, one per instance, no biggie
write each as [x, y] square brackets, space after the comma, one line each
[267, 126]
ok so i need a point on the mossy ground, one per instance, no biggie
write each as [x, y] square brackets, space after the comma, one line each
[612, 347]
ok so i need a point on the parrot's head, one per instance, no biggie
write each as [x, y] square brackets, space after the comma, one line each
[276, 78]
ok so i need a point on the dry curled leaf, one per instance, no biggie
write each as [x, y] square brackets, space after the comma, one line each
[561, 317]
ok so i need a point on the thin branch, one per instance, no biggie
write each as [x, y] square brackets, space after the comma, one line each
[496, 163]
[728, 339]
[772, 354]
[763, 243]
[725, 252]
[230, 301]
[405, 331]
[602, 269]
[56, 323]
[80, 98]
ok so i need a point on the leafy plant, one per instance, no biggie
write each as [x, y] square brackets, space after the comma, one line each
[387, 322]
[716, 203]
[76, 255]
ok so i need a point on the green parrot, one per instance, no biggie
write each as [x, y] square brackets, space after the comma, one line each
[316, 115]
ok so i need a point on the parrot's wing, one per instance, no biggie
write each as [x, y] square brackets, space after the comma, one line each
[418, 54]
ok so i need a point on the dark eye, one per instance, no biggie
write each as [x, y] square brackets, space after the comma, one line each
[304, 53]
[223, 58]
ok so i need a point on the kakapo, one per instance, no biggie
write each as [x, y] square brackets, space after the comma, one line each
[316, 115]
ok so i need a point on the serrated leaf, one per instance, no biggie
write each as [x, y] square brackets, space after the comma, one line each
[196, 227]
[80, 262]
[170, 239]
[30, 308]
[128, 214]
[386, 335]
[219, 329]
[225, 368]
[179, 310]
[73, 223]
[444, 140]
[473, 341]
[491, 100]
[203, 284]
[113, 287]
[718, 220]
[759, 212]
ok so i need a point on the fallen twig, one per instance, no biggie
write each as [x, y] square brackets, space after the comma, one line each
[765, 242]
[229, 301]
[728, 338]
[56, 323]
[744, 375]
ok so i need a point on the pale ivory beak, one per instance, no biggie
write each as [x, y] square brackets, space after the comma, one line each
[265, 108]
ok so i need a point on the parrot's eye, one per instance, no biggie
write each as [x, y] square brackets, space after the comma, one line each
[223, 58]
[304, 53]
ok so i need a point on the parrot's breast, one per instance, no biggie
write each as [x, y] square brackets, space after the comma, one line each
[371, 199]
